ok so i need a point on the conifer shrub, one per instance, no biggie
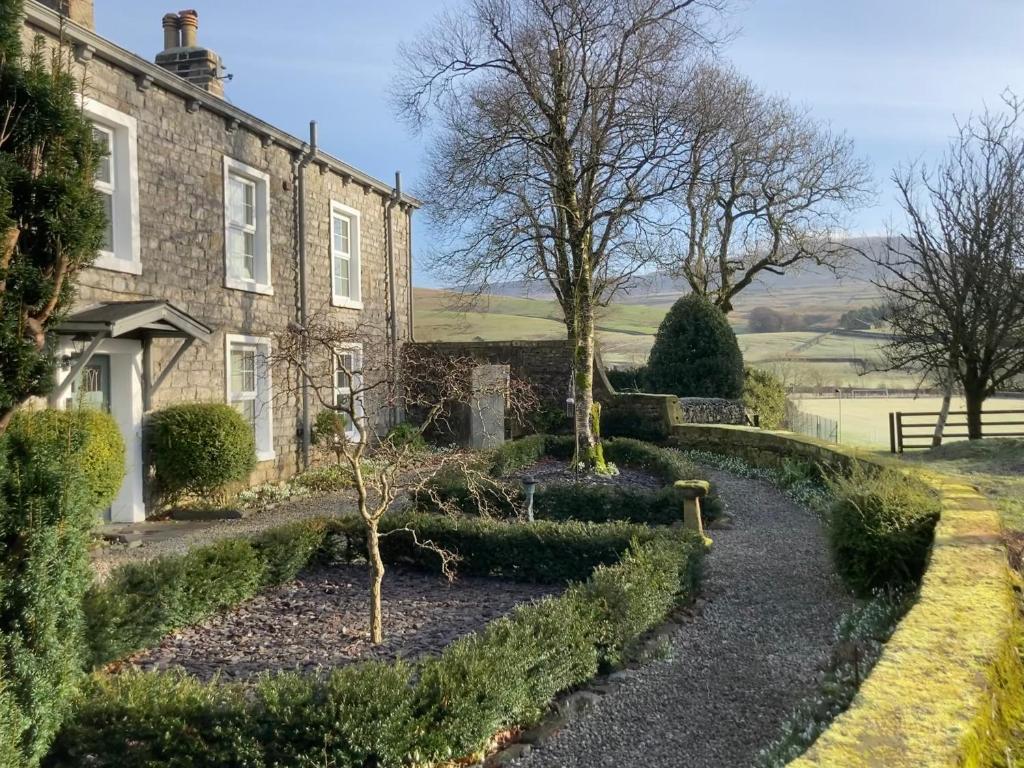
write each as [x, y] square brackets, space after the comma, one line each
[881, 528]
[695, 353]
[48, 505]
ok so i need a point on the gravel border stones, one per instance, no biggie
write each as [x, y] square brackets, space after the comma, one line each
[736, 670]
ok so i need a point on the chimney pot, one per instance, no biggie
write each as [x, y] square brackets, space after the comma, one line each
[172, 31]
[189, 21]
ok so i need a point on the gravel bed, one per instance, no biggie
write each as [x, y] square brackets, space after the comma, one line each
[733, 673]
[175, 538]
[551, 471]
[321, 621]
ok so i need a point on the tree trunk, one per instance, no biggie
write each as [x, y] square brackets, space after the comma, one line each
[940, 425]
[588, 446]
[975, 399]
[376, 579]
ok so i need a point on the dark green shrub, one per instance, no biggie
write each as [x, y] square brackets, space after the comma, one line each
[764, 394]
[543, 552]
[638, 592]
[137, 720]
[139, 603]
[101, 458]
[881, 528]
[288, 549]
[407, 435]
[517, 454]
[695, 353]
[198, 448]
[47, 509]
[627, 379]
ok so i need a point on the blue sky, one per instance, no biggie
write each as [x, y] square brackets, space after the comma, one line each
[891, 73]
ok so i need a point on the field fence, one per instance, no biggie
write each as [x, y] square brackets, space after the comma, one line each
[811, 424]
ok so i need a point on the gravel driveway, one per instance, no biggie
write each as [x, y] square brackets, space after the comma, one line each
[736, 671]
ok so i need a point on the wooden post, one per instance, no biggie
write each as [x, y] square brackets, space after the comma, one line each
[892, 432]
[899, 431]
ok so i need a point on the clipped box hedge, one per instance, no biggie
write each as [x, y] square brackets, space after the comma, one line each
[947, 688]
[399, 714]
[571, 501]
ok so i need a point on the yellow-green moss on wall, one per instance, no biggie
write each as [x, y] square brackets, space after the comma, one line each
[948, 683]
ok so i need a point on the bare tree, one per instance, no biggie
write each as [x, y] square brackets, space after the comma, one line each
[555, 149]
[767, 188]
[358, 383]
[956, 279]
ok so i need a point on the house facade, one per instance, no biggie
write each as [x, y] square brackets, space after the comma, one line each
[223, 231]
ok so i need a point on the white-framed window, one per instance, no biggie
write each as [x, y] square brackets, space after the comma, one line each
[117, 181]
[345, 257]
[248, 387]
[348, 385]
[246, 228]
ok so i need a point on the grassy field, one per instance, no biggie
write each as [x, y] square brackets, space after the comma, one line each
[865, 421]
[626, 332]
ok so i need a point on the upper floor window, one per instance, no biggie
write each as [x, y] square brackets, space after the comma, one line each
[345, 257]
[117, 181]
[249, 388]
[246, 227]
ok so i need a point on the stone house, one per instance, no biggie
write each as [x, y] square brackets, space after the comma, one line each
[223, 231]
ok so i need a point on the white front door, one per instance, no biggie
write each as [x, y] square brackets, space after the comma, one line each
[112, 381]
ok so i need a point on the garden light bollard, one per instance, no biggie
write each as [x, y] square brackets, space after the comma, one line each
[692, 492]
[529, 486]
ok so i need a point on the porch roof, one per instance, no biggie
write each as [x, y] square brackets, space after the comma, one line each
[148, 319]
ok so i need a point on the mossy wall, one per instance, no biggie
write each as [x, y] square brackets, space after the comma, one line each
[949, 681]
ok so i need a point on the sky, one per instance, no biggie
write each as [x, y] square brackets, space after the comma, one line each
[892, 74]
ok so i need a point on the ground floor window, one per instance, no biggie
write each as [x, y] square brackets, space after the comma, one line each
[348, 377]
[249, 388]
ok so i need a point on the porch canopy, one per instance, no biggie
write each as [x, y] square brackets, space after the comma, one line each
[131, 320]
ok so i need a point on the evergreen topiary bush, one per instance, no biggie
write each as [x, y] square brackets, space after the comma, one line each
[764, 394]
[101, 458]
[695, 353]
[47, 509]
[198, 448]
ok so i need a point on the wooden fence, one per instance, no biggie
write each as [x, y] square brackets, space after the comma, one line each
[914, 430]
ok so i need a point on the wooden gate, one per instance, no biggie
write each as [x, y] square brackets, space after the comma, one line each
[914, 430]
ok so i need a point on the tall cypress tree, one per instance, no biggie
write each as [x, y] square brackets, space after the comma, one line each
[51, 218]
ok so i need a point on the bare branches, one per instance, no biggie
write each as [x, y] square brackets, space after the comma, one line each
[766, 187]
[955, 280]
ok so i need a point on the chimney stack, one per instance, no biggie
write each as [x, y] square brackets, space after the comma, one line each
[183, 56]
[78, 11]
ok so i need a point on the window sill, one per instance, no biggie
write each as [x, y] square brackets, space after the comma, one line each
[342, 303]
[262, 456]
[248, 286]
[111, 263]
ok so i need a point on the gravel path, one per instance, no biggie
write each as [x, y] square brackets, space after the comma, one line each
[735, 671]
[320, 621]
[175, 538]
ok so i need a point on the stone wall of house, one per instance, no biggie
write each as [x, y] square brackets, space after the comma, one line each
[181, 153]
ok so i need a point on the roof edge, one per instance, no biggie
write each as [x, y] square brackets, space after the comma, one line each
[50, 21]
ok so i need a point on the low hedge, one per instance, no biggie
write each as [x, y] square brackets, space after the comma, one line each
[570, 501]
[385, 715]
[140, 603]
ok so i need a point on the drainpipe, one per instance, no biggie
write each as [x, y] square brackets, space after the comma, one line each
[408, 260]
[300, 173]
[396, 197]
